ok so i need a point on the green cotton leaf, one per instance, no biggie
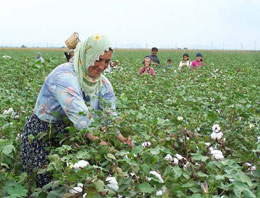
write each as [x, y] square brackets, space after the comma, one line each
[200, 174]
[256, 173]
[197, 196]
[146, 188]
[54, 194]
[122, 153]
[3, 143]
[199, 157]
[212, 116]
[137, 150]
[177, 172]
[7, 150]
[155, 151]
[248, 193]
[243, 178]
[111, 156]
[257, 149]
[99, 185]
[16, 190]
[220, 177]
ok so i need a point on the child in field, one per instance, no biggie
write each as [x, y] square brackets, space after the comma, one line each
[39, 57]
[147, 69]
[198, 62]
[185, 62]
[169, 65]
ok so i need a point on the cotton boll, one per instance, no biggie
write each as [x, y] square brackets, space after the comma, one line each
[146, 144]
[169, 157]
[157, 175]
[216, 136]
[175, 161]
[186, 166]
[113, 185]
[159, 193]
[251, 126]
[179, 157]
[218, 156]
[207, 143]
[10, 111]
[18, 137]
[80, 164]
[83, 163]
[84, 195]
[180, 118]
[252, 168]
[216, 128]
[76, 190]
[6, 57]
[247, 164]
[80, 185]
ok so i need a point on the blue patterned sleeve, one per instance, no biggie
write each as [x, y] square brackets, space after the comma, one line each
[67, 92]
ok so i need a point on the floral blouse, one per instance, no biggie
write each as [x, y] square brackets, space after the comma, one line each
[61, 97]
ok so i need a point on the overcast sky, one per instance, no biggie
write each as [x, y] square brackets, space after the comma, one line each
[212, 24]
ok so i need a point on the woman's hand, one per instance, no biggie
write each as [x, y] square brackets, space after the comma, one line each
[129, 142]
[102, 142]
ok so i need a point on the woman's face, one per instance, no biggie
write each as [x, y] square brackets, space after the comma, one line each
[198, 58]
[100, 65]
[185, 58]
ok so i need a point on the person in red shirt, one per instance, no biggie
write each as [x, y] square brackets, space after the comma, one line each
[198, 62]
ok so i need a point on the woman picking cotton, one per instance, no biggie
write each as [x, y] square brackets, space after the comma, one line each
[147, 69]
[63, 95]
[39, 57]
[185, 62]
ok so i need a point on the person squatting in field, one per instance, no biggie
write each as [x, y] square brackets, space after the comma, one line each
[63, 95]
[39, 57]
[169, 65]
[198, 62]
[69, 55]
[153, 56]
[185, 62]
[147, 69]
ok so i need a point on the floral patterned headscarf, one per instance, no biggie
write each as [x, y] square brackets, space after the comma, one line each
[86, 54]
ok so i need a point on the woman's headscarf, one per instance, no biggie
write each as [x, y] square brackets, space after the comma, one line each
[86, 54]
